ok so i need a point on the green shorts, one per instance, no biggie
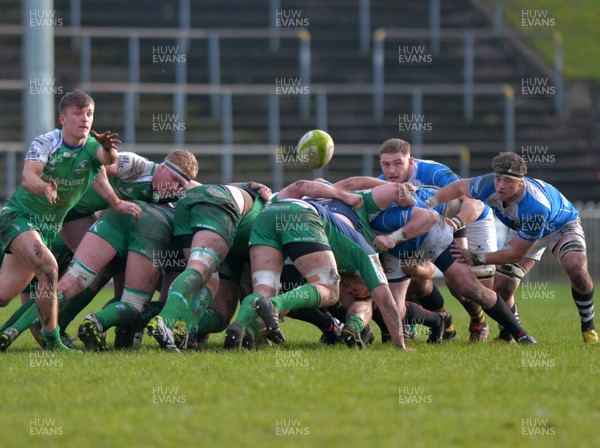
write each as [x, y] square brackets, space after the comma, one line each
[207, 207]
[237, 269]
[13, 222]
[286, 222]
[151, 235]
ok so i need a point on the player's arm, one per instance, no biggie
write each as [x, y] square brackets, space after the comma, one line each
[359, 183]
[390, 192]
[107, 153]
[111, 170]
[421, 221]
[314, 189]
[517, 250]
[33, 183]
[106, 191]
[450, 191]
[384, 299]
[470, 210]
[262, 190]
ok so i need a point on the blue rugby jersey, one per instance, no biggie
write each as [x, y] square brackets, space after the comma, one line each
[541, 210]
[428, 172]
[391, 220]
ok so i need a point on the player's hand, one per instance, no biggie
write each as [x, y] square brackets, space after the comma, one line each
[108, 140]
[129, 208]
[263, 191]
[384, 243]
[51, 191]
[461, 254]
[354, 200]
[405, 193]
[451, 224]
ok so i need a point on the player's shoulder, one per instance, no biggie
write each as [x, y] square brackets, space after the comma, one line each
[132, 166]
[43, 145]
[431, 165]
[536, 195]
[49, 140]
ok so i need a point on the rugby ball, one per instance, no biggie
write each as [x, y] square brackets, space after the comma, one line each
[315, 149]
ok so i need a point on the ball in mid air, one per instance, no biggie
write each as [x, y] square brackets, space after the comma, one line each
[315, 149]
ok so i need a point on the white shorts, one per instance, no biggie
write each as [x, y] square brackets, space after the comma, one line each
[550, 240]
[437, 241]
[481, 238]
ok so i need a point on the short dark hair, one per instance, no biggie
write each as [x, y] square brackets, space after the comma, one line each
[77, 98]
[509, 163]
[395, 145]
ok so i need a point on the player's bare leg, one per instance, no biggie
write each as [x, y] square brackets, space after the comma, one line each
[460, 278]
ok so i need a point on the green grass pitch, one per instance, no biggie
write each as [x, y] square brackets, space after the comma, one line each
[455, 394]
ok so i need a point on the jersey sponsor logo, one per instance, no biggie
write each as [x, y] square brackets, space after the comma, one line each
[82, 167]
[62, 181]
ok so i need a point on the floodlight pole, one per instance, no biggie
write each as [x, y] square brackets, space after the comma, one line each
[39, 19]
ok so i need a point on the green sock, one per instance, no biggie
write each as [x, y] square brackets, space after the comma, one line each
[17, 314]
[116, 315]
[253, 326]
[356, 322]
[198, 308]
[30, 316]
[306, 296]
[52, 338]
[152, 309]
[72, 307]
[247, 314]
[27, 319]
[211, 322]
[187, 284]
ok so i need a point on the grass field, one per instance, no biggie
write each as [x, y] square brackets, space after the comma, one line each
[456, 394]
[576, 21]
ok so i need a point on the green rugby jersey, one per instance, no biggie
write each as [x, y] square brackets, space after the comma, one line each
[73, 170]
[133, 181]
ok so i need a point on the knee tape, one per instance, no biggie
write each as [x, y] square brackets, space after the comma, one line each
[513, 271]
[574, 245]
[84, 275]
[267, 278]
[137, 299]
[324, 275]
[207, 257]
[484, 272]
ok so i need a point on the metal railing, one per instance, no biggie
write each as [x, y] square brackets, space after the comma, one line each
[227, 154]
[320, 91]
[182, 36]
[469, 38]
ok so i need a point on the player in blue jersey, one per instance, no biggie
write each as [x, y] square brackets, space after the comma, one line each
[398, 166]
[434, 244]
[539, 217]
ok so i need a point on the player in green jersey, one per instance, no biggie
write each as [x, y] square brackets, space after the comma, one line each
[132, 177]
[59, 166]
[323, 244]
[211, 221]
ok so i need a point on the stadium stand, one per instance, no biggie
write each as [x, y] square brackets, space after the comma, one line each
[335, 61]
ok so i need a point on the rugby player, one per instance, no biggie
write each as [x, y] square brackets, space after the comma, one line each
[539, 217]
